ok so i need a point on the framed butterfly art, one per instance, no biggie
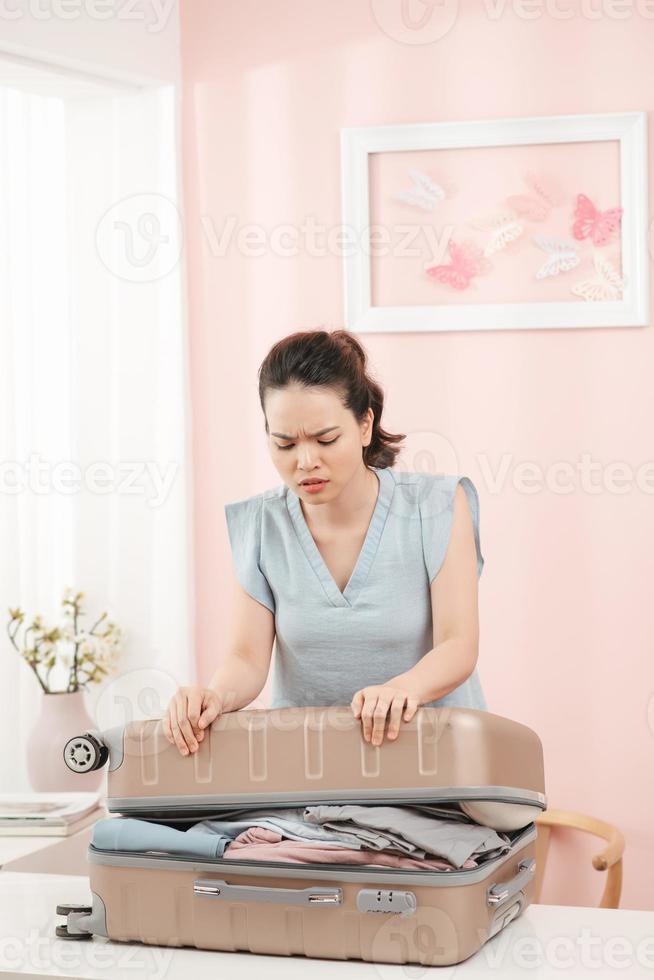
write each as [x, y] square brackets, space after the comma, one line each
[498, 224]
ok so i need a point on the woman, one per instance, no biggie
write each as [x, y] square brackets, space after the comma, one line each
[365, 577]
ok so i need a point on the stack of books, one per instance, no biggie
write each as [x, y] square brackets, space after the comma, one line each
[46, 814]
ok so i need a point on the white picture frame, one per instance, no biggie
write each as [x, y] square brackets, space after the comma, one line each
[633, 309]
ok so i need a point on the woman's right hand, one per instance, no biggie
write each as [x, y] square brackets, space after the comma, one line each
[189, 713]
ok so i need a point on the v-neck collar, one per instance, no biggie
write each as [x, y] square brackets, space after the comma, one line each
[368, 549]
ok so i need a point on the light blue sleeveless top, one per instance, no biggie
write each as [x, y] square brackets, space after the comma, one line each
[328, 643]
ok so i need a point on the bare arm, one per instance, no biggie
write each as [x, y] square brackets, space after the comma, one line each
[455, 615]
[242, 675]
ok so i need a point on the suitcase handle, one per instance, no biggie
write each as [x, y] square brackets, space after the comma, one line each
[317, 897]
[497, 894]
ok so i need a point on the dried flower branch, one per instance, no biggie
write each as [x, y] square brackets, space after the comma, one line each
[88, 655]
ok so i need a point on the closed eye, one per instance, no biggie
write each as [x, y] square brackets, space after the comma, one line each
[320, 443]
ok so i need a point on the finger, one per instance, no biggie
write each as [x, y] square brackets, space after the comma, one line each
[174, 724]
[194, 710]
[370, 700]
[187, 730]
[195, 699]
[356, 703]
[184, 725]
[412, 706]
[165, 726]
[396, 715]
[379, 720]
[210, 709]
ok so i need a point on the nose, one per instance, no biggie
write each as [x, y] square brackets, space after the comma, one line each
[306, 458]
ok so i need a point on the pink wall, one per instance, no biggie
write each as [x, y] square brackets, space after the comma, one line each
[567, 617]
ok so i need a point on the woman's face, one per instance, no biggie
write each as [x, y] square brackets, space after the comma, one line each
[310, 435]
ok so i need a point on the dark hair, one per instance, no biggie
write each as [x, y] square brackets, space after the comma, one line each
[335, 360]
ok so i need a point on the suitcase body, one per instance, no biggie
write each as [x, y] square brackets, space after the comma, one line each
[490, 765]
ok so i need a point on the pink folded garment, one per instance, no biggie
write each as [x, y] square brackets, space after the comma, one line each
[261, 844]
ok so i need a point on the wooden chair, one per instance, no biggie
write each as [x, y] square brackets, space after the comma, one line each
[609, 859]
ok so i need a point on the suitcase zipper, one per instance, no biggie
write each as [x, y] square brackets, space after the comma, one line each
[127, 807]
[228, 864]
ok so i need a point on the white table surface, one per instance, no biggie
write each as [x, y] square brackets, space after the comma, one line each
[545, 942]
[15, 846]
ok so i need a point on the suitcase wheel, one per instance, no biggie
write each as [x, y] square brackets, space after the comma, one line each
[84, 753]
[62, 933]
[65, 909]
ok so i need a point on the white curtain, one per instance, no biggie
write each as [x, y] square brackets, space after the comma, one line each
[94, 402]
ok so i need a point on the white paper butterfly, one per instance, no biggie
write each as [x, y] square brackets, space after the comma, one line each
[605, 286]
[504, 228]
[424, 194]
[563, 255]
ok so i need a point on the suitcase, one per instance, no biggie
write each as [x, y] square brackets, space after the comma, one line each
[491, 766]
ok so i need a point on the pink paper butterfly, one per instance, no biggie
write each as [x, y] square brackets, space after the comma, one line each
[467, 260]
[545, 194]
[599, 225]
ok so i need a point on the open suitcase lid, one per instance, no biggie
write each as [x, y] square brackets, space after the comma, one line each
[302, 756]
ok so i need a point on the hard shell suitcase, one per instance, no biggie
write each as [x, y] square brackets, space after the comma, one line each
[490, 765]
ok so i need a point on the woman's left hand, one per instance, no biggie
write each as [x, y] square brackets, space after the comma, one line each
[373, 704]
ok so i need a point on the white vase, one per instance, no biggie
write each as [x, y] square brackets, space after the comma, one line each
[62, 715]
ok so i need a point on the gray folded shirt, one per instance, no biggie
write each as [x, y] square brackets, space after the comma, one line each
[405, 827]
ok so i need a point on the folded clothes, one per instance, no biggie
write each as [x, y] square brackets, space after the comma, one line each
[133, 834]
[289, 821]
[324, 833]
[452, 840]
[260, 844]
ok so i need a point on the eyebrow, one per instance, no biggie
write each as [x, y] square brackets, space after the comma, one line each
[312, 435]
